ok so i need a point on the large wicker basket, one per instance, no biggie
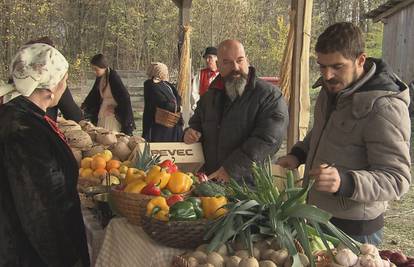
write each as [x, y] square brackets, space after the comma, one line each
[130, 205]
[176, 234]
[167, 118]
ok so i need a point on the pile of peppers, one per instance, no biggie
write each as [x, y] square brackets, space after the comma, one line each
[175, 208]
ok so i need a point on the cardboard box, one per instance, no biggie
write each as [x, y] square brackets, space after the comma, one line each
[189, 158]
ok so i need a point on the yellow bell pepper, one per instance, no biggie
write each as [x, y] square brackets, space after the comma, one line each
[159, 176]
[179, 183]
[158, 208]
[135, 186]
[213, 206]
[134, 174]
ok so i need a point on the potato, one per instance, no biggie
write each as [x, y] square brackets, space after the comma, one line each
[215, 259]
[233, 261]
[267, 263]
[200, 256]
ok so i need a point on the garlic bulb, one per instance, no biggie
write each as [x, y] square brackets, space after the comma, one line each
[369, 249]
[346, 257]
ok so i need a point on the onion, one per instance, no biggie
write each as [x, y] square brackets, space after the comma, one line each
[106, 138]
[77, 154]
[398, 258]
[121, 151]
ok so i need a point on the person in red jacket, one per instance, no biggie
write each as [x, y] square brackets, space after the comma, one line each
[205, 76]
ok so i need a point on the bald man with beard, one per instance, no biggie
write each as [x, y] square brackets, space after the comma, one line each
[240, 120]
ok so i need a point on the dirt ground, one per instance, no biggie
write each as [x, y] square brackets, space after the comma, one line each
[399, 225]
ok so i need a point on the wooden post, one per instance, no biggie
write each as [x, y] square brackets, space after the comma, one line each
[294, 101]
[298, 102]
[184, 20]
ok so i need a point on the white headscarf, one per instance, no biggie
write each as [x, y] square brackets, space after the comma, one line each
[35, 66]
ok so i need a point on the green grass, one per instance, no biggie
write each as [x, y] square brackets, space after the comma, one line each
[399, 225]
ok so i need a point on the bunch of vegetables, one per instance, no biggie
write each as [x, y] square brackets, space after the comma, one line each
[152, 178]
[176, 208]
[209, 203]
[260, 212]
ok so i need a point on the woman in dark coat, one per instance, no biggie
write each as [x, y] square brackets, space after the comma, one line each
[108, 104]
[159, 93]
[40, 216]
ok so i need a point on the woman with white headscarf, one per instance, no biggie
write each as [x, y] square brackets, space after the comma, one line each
[41, 222]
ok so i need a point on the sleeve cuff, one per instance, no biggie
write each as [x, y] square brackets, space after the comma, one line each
[347, 187]
[299, 154]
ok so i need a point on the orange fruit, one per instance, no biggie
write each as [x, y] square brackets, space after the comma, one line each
[114, 172]
[113, 164]
[86, 162]
[86, 172]
[98, 163]
[99, 172]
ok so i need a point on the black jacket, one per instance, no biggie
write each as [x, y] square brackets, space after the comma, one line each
[40, 217]
[67, 107]
[123, 112]
[159, 95]
[249, 129]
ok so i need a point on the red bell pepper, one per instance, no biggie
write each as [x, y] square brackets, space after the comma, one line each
[174, 199]
[151, 189]
[169, 165]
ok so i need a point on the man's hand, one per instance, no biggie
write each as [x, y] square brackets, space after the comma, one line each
[191, 136]
[220, 175]
[327, 178]
[288, 162]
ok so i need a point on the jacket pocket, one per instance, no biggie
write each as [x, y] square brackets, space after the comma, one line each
[341, 130]
[344, 203]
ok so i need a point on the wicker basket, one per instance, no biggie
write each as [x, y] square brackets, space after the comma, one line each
[167, 118]
[130, 205]
[176, 234]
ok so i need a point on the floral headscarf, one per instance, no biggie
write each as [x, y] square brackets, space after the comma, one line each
[35, 66]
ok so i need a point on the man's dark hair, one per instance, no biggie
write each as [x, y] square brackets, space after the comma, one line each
[343, 37]
[41, 40]
[99, 60]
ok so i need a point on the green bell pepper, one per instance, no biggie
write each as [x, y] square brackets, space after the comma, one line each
[197, 206]
[183, 211]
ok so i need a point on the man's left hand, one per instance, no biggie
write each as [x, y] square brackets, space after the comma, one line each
[327, 178]
[220, 175]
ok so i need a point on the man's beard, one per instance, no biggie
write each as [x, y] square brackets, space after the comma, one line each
[235, 85]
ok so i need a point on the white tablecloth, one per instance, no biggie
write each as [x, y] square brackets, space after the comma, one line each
[94, 234]
[127, 245]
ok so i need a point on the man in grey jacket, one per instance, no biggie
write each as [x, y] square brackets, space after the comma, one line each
[240, 119]
[362, 126]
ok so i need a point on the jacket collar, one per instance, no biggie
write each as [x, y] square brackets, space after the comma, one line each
[25, 104]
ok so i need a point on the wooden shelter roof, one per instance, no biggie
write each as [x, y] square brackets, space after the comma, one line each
[387, 9]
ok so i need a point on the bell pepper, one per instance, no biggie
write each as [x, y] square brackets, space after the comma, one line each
[183, 211]
[151, 189]
[197, 206]
[213, 206]
[165, 192]
[158, 208]
[169, 165]
[179, 183]
[158, 175]
[174, 199]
